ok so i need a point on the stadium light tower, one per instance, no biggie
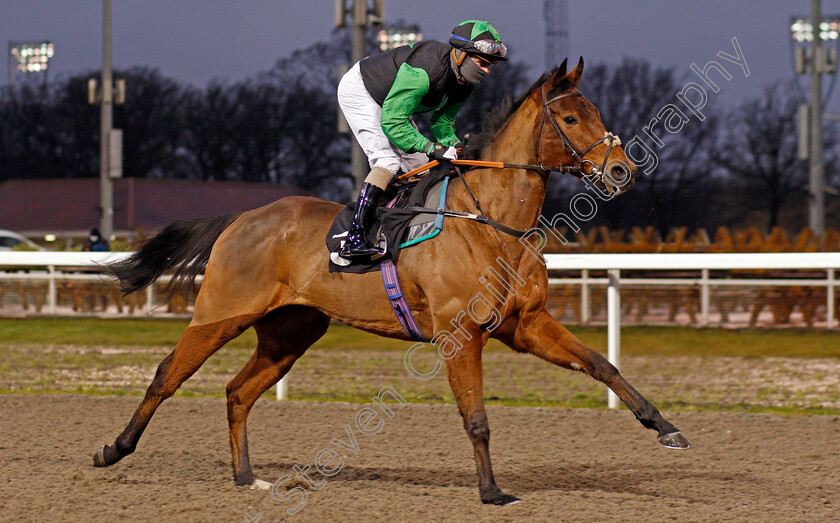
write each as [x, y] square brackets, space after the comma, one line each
[556, 16]
[813, 57]
[361, 17]
[30, 57]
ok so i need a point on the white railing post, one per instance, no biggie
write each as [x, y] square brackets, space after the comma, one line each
[613, 327]
[584, 297]
[830, 305]
[52, 291]
[704, 297]
[283, 387]
[150, 298]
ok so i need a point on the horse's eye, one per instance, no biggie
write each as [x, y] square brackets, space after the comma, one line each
[571, 120]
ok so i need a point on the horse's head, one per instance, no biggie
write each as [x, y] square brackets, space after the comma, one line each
[571, 134]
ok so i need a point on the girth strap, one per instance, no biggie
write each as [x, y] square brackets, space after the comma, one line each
[392, 288]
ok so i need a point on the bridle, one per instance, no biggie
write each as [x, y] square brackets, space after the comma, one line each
[598, 173]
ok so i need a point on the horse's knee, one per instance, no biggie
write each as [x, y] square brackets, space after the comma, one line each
[478, 428]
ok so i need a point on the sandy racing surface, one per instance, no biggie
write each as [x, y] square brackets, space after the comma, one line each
[565, 464]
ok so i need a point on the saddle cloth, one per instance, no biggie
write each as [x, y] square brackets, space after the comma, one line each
[396, 226]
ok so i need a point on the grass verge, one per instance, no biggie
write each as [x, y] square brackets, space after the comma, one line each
[648, 341]
[782, 371]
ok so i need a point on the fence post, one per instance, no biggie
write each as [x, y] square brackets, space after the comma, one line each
[704, 298]
[150, 298]
[52, 291]
[830, 312]
[282, 387]
[584, 297]
[613, 328]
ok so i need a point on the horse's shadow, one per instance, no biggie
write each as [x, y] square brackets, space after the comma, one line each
[645, 481]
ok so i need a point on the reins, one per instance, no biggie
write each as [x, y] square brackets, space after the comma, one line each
[481, 217]
[566, 169]
[577, 170]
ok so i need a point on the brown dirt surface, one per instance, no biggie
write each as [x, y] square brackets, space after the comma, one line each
[564, 464]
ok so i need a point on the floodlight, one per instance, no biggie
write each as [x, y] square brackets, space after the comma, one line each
[801, 29]
[393, 37]
[32, 57]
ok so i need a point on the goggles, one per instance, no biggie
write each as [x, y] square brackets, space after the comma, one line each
[488, 47]
[491, 47]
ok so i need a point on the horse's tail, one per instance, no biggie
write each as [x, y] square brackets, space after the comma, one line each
[183, 246]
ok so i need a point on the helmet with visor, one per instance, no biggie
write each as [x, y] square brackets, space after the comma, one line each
[479, 38]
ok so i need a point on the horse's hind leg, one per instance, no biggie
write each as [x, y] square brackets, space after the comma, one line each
[543, 336]
[283, 336]
[197, 343]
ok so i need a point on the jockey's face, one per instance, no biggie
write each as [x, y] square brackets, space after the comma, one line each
[481, 62]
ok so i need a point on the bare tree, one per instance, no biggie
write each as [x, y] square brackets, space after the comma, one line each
[48, 132]
[209, 127]
[152, 121]
[758, 148]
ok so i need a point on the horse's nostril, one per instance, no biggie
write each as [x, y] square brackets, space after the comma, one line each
[619, 176]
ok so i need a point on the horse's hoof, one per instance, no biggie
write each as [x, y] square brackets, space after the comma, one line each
[259, 484]
[99, 458]
[501, 500]
[674, 440]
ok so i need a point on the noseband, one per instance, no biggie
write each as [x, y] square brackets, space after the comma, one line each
[578, 155]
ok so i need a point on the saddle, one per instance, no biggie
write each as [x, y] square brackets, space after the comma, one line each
[399, 223]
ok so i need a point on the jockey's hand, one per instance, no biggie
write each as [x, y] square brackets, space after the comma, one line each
[459, 148]
[440, 152]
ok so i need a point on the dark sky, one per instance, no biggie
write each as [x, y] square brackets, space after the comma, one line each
[199, 40]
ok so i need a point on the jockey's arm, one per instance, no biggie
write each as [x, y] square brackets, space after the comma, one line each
[410, 86]
[443, 122]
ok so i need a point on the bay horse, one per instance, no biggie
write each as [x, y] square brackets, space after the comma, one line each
[267, 268]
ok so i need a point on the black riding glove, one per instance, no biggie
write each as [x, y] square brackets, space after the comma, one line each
[440, 152]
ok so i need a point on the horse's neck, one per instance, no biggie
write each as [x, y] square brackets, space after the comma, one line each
[513, 197]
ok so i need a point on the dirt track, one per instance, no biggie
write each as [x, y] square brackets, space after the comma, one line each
[564, 464]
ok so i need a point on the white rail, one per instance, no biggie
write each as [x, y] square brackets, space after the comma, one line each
[58, 258]
[612, 263]
[615, 263]
[48, 262]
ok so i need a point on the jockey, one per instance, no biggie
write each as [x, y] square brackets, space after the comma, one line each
[380, 94]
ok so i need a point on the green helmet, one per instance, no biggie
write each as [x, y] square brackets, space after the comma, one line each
[479, 37]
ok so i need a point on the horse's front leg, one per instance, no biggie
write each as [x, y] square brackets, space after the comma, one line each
[465, 378]
[540, 334]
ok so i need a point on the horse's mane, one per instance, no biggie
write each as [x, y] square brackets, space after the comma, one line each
[495, 119]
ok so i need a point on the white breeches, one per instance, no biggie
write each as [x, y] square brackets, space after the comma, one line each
[363, 115]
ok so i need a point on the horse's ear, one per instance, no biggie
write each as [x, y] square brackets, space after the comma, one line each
[575, 74]
[561, 71]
